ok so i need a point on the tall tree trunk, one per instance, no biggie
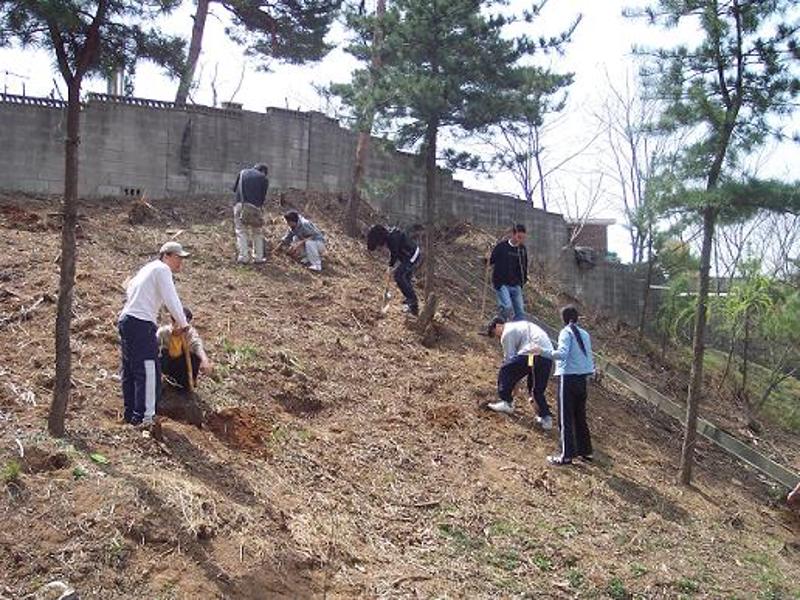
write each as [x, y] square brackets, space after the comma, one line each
[648, 281]
[698, 349]
[195, 45]
[431, 134]
[365, 129]
[63, 379]
[537, 155]
[745, 352]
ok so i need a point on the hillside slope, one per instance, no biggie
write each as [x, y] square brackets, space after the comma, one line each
[340, 457]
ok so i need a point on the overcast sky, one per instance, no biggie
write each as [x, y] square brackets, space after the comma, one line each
[600, 51]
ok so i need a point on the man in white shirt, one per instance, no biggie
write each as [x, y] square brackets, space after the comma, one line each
[147, 291]
[518, 338]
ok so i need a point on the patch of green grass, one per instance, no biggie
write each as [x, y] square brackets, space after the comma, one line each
[686, 585]
[575, 578]
[782, 407]
[568, 531]
[305, 435]
[616, 589]
[11, 472]
[506, 559]
[770, 577]
[238, 355]
[460, 538]
[542, 562]
[503, 528]
[278, 437]
[79, 473]
[638, 569]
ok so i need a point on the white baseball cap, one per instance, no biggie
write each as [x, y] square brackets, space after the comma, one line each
[173, 248]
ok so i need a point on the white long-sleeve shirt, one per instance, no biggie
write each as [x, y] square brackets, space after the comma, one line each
[519, 337]
[150, 289]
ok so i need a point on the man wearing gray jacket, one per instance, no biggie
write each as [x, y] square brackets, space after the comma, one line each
[250, 188]
[304, 240]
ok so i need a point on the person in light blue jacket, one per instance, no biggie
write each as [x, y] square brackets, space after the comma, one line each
[574, 364]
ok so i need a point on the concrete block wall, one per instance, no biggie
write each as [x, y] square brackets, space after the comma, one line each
[133, 146]
[32, 132]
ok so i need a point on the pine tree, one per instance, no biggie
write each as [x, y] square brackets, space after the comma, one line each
[86, 37]
[727, 94]
[447, 65]
[288, 30]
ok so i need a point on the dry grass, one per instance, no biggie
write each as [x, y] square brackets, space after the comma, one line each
[352, 462]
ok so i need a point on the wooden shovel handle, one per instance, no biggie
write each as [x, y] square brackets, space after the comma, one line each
[187, 355]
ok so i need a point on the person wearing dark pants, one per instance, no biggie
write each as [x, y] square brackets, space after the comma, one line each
[147, 291]
[518, 338]
[574, 364]
[173, 361]
[141, 378]
[537, 384]
[404, 256]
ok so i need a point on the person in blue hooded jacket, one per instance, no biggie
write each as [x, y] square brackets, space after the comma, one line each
[574, 365]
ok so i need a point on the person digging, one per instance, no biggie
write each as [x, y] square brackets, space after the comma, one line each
[304, 241]
[518, 339]
[147, 291]
[404, 256]
[174, 367]
[183, 359]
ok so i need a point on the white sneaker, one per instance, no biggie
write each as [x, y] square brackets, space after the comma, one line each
[546, 423]
[501, 406]
[259, 261]
[315, 267]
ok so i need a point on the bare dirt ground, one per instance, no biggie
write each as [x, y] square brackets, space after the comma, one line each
[340, 458]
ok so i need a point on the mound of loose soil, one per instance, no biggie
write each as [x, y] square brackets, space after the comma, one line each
[240, 430]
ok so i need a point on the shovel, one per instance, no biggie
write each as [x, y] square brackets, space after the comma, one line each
[194, 411]
[188, 358]
[387, 295]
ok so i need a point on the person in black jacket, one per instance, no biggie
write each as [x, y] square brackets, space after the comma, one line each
[404, 256]
[509, 260]
[250, 192]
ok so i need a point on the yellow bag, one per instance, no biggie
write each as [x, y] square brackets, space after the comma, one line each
[175, 348]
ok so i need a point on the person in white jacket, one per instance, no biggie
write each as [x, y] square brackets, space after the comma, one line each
[518, 338]
[147, 291]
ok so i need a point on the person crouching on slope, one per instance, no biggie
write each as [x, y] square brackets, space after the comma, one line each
[518, 338]
[574, 364]
[404, 256]
[173, 362]
[147, 291]
[304, 240]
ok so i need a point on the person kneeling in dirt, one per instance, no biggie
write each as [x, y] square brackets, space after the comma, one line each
[404, 256]
[304, 240]
[518, 338]
[173, 361]
[574, 364]
[251, 188]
